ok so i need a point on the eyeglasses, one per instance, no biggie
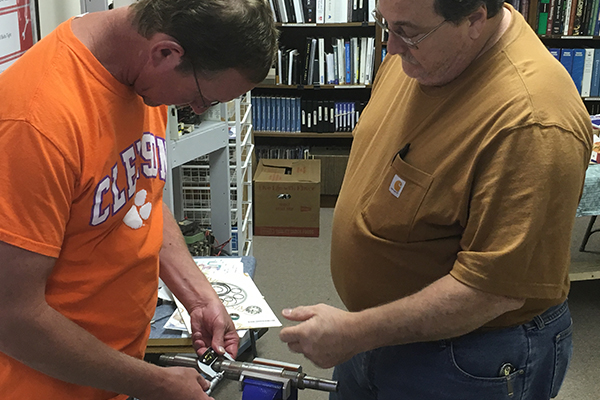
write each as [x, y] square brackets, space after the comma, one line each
[206, 106]
[409, 41]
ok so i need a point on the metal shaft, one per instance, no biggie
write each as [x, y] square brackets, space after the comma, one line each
[233, 370]
[180, 361]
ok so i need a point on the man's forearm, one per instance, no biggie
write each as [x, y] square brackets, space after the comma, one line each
[445, 309]
[46, 341]
[177, 268]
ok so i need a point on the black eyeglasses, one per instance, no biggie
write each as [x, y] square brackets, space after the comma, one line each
[206, 106]
[413, 44]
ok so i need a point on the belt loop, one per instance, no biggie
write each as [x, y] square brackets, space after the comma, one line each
[539, 322]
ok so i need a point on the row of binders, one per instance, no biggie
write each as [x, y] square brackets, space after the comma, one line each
[344, 61]
[584, 67]
[294, 115]
[282, 152]
[322, 11]
[568, 17]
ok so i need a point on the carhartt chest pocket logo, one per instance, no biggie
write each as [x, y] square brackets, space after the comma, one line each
[397, 185]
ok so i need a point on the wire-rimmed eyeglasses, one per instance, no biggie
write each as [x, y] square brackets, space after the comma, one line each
[413, 44]
[206, 106]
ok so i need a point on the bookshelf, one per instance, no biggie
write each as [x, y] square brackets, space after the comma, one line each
[334, 105]
[572, 25]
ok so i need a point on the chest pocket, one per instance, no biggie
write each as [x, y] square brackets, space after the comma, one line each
[391, 211]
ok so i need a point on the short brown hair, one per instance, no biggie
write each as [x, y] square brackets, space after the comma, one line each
[215, 34]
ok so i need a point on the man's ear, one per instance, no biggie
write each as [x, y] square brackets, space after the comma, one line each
[477, 21]
[166, 54]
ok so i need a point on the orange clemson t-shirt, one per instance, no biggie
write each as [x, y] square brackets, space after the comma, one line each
[83, 168]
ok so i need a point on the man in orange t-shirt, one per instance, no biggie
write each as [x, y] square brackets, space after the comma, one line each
[84, 234]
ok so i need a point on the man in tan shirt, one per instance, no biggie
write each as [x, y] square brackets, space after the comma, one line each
[452, 230]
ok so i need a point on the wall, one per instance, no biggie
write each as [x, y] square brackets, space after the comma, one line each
[53, 12]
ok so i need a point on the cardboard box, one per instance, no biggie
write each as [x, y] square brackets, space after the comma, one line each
[287, 198]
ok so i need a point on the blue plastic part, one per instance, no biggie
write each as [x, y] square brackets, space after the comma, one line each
[258, 389]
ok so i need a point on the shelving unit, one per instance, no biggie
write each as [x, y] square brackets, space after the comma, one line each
[294, 36]
[209, 139]
[243, 145]
[212, 174]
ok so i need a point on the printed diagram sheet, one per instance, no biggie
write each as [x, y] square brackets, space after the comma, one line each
[238, 292]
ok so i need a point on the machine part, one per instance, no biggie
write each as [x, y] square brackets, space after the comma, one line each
[261, 379]
[178, 361]
[236, 370]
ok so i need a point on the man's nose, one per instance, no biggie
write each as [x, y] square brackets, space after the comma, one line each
[396, 45]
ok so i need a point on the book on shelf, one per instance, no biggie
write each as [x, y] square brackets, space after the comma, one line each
[281, 11]
[348, 61]
[333, 60]
[584, 67]
[578, 21]
[331, 68]
[322, 11]
[309, 11]
[321, 61]
[577, 69]
[586, 79]
[551, 19]
[568, 17]
[298, 11]
[293, 58]
[555, 52]
[309, 61]
[279, 79]
[595, 84]
[566, 59]
[572, 11]
[543, 16]
[291, 14]
[355, 53]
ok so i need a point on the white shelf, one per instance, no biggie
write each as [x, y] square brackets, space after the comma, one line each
[209, 137]
[244, 148]
[229, 180]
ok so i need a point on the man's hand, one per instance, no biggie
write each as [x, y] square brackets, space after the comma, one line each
[212, 327]
[178, 383]
[327, 336]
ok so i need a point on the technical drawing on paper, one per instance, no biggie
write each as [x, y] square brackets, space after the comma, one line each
[243, 301]
[230, 295]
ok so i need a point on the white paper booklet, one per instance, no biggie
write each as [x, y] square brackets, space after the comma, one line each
[238, 292]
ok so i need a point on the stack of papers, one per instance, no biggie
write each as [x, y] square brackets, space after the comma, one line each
[238, 292]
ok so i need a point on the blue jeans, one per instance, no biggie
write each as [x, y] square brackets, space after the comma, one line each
[527, 362]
